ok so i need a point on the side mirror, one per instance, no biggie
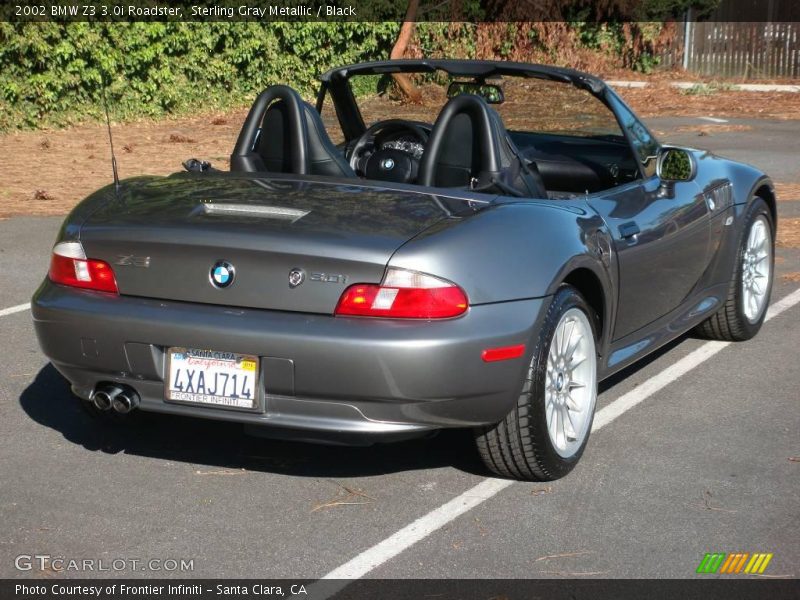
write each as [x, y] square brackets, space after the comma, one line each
[675, 164]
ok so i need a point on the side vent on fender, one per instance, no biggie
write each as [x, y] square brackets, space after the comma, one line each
[720, 197]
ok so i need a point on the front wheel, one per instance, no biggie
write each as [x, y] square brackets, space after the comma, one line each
[744, 311]
[544, 435]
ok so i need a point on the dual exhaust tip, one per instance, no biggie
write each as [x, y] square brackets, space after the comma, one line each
[119, 398]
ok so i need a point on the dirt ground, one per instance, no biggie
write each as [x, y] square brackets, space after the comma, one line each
[660, 100]
[788, 233]
[49, 171]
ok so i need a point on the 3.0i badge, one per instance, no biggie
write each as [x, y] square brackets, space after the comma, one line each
[222, 274]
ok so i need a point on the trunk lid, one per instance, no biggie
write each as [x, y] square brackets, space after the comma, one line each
[163, 238]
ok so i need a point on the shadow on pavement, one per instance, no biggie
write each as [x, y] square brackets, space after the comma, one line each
[49, 401]
[616, 378]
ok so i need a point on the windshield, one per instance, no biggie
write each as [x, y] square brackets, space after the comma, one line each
[528, 105]
[553, 137]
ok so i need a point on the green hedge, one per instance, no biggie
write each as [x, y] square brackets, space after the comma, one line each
[51, 74]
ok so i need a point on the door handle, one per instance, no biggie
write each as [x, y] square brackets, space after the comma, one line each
[629, 231]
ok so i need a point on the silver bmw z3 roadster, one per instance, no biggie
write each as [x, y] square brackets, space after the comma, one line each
[481, 260]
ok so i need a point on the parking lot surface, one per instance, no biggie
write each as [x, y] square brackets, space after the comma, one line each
[707, 461]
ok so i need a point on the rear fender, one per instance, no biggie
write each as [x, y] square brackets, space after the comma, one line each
[516, 250]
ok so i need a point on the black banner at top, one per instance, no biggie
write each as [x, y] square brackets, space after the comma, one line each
[778, 11]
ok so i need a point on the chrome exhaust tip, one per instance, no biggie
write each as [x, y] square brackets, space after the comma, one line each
[119, 397]
[125, 402]
[102, 400]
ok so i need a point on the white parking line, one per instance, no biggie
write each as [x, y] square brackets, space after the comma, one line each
[427, 524]
[421, 528]
[14, 309]
[687, 363]
[713, 119]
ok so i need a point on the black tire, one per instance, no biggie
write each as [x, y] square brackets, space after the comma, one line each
[519, 447]
[730, 323]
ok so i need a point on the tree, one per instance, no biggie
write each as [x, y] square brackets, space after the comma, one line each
[406, 31]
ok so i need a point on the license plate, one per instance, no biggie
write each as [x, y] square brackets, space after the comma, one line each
[223, 379]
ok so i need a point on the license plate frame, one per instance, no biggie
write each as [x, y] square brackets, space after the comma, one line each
[256, 383]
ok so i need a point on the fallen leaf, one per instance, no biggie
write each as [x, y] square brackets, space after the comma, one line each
[42, 195]
[223, 472]
[350, 494]
[177, 138]
[707, 504]
[565, 555]
[335, 503]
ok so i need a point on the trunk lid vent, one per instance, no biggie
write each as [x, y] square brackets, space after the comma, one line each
[255, 210]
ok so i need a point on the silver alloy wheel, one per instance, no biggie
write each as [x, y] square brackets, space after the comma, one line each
[570, 390]
[756, 269]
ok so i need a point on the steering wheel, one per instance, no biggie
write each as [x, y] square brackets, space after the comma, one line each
[386, 164]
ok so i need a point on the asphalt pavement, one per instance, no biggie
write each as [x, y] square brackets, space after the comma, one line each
[709, 462]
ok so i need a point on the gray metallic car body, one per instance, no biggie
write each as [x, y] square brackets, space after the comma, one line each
[323, 374]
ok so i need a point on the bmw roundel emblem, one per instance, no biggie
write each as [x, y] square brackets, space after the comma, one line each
[222, 274]
[296, 277]
[387, 164]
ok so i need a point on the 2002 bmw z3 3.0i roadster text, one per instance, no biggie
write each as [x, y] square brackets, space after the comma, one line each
[483, 267]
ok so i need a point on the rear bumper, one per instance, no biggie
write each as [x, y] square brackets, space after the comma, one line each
[320, 373]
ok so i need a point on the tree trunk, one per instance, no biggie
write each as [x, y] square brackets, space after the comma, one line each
[406, 31]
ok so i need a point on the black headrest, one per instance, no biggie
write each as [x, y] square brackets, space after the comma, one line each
[283, 110]
[324, 157]
[471, 117]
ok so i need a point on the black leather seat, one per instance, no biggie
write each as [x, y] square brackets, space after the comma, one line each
[283, 134]
[470, 147]
[324, 156]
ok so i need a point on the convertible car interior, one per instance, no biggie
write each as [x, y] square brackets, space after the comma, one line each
[497, 128]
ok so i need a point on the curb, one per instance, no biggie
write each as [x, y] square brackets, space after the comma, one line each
[739, 87]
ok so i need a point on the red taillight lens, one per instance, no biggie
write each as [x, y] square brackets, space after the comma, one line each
[69, 266]
[404, 295]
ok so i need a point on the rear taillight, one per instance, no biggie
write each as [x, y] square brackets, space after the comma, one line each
[404, 295]
[69, 266]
